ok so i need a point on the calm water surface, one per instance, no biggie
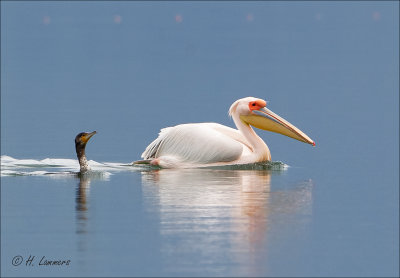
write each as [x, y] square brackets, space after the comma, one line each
[198, 222]
[169, 222]
[128, 69]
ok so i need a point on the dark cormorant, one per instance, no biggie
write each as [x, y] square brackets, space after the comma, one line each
[80, 143]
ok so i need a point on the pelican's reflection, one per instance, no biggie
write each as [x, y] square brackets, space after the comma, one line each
[203, 211]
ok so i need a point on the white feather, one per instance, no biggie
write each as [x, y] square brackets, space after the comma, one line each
[211, 144]
[201, 143]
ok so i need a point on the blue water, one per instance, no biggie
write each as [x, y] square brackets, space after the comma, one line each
[127, 69]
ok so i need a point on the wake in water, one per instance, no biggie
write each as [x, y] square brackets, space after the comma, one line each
[54, 166]
[59, 166]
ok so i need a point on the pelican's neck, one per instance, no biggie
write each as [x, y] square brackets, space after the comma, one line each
[260, 149]
[83, 163]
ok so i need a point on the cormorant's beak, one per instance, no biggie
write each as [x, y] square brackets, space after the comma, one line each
[264, 118]
[87, 136]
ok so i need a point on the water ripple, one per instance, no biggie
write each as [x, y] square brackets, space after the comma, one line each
[63, 166]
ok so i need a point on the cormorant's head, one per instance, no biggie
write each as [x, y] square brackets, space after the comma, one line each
[82, 138]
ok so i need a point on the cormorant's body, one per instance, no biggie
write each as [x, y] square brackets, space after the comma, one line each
[80, 144]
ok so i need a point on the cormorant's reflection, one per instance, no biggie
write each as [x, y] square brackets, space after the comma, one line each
[82, 194]
[82, 198]
[208, 210]
[82, 209]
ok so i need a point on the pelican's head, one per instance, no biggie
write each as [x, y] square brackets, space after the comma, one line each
[253, 111]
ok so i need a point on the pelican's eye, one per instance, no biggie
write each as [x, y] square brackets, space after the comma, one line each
[256, 105]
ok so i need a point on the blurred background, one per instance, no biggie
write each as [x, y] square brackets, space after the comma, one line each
[127, 69]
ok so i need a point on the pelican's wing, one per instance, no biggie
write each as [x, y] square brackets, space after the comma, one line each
[197, 143]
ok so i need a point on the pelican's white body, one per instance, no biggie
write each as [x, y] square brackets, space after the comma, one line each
[212, 144]
[201, 144]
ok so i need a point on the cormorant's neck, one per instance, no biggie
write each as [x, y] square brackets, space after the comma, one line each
[83, 163]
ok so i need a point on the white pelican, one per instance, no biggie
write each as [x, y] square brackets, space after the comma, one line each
[212, 144]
